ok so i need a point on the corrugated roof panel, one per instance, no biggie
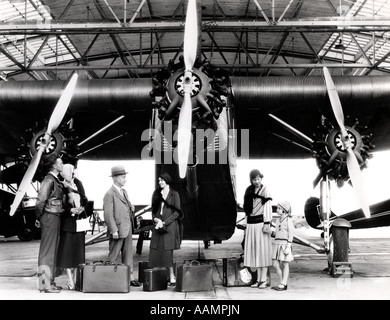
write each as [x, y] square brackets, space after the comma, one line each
[362, 8]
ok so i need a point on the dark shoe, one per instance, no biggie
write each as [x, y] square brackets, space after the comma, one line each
[51, 290]
[135, 283]
[281, 287]
[263, 285]
[54, 286]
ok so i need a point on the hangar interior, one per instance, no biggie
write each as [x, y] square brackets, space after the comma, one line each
[106, 39]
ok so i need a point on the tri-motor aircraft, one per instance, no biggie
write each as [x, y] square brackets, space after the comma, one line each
[195, 120]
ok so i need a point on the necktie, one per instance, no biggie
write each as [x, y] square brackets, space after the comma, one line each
[124, 195]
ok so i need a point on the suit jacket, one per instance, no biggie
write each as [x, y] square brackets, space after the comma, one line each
[117, 213]
[171, 217]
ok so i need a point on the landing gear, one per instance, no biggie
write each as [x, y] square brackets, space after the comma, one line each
[338, 264]
[336, 235]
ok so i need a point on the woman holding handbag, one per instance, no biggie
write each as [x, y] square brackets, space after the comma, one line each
[71, 250]
[166, 236]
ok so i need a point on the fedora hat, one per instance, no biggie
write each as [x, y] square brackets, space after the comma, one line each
[118, 171]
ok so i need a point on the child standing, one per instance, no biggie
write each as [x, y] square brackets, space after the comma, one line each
[281, 248]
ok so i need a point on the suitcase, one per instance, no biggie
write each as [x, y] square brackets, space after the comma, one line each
[155, 279]
[99, 277]
[143, 265]
[194, 276]
[235, 274]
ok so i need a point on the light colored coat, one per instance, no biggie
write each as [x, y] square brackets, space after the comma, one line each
[117, 213]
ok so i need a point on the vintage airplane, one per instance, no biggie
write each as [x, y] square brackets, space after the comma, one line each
[195, 120]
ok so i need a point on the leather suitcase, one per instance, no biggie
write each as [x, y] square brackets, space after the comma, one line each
[99, 277]
[194, 276]
[155, 279]
[235, 274]
[143, 265]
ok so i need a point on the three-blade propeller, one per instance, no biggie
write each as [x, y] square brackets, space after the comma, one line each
[352, 162]
[55, 120]
[185, 117]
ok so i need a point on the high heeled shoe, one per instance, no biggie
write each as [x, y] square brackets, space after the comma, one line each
[280, 287]
[70, 287]
[172, 282]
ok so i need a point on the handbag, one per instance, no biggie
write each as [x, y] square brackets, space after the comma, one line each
[83, 225]
[162, 230]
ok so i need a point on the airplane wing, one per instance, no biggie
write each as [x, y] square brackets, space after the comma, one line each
[94, 106]
[96, 103]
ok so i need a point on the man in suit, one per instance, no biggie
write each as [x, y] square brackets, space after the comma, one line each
[118, 214]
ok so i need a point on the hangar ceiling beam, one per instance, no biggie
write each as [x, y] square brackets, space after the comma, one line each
[235, 66]
[114, 38]
[328, 25]
[158, 39]
[240, 44]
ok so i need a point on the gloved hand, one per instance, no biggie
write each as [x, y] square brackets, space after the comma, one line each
[287, 249]
[159, 224]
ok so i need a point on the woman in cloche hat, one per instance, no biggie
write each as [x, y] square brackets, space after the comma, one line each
[258, 245]
[166, 236]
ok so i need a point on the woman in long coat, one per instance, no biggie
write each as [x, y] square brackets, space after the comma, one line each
[71, 250]
[166, 236]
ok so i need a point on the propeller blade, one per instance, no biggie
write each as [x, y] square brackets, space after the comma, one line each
[190, 35]
[184, 134]
[185, 117]
[357, 181]
[334, 99]
[28, 176]
[352, 163]
[62, 105]
[55, 120]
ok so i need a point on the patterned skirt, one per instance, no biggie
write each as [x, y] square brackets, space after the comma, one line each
[258, 247]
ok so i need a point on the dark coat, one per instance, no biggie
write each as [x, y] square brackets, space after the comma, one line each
[172, 218]
[68, 223]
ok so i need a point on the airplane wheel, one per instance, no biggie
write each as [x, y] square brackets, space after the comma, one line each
[206, 244]
[339, 245]
[25, 234]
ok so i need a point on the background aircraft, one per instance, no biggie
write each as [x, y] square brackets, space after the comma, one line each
[298, 116]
